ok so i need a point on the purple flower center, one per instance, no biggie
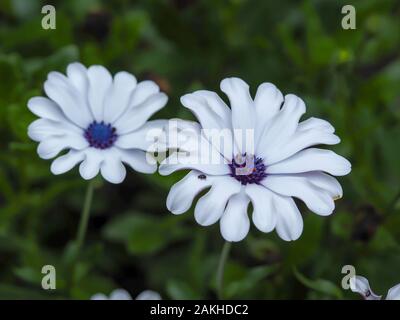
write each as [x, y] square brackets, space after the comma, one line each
[248, 169]
[101, 135]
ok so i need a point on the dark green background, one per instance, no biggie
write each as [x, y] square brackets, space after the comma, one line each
[349, 77]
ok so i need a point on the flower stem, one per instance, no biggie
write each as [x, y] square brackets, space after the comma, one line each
[84, 216]
[221, 269]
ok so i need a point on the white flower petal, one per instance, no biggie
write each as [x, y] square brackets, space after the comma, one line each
[138, 160]
[42, 129]
[243, 113]
[77, 74]
[100, 81]
[197, 154]
[282, 126]
[235, 223]
[317, 124]
[210, 207]
[289, 225]
[216, 104]
[50, 147]
[360, 285]
[183, 135]
[118, 98]
[145, 138]
[324, 181]
[317, 199]
[66, 162]
[312, 159]
[208, 117]
[216, 129]
[45, 108]
[394, 293]
[182, 193]
[241, 102]
[112, 168]
[137, 116]
[99, 296]
[90, 166]
[300, 140]
[143, 91]
[179, 161]
[268, 101]
[120, 294]
[68, 98]
[148, 295]
[264, 214]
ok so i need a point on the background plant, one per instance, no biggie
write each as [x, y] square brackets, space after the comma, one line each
[349, 77]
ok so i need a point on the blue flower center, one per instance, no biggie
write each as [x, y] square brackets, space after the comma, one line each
[101, 135]
[248, 169]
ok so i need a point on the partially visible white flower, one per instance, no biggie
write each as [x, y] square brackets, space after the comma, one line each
[99, 119]
[148, 295]
[361, 285]
[121, 294]
[269, 170]
[394, 293]
[117, 294]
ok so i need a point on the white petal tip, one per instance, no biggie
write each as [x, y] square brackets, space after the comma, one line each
[176, 212]
[232, 83]
[185, 99]
[234, 238]
[113, 180]
[56, 171]
[76, 65]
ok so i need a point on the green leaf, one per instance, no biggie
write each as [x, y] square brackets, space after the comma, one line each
[29, 274]
[321, 285]
[180, 290]
[251, 279]
[12, 292]
[143, 234]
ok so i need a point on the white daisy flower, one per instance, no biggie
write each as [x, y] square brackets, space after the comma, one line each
[101, 120]
[121, 294]
[361, 285]
[268, 170]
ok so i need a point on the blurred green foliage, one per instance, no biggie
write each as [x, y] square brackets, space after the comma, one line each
[349, 77]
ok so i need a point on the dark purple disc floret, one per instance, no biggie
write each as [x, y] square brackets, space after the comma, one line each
[248, 170]
[101, 135]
